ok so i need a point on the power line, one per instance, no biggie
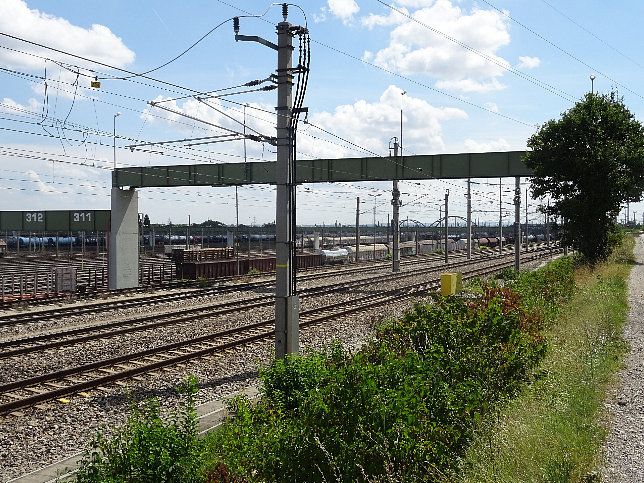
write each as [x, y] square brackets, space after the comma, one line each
[91, 61]
[562, 50]
[615, 49]
[488, 58]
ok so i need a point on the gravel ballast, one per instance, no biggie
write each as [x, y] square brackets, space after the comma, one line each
[42, 436]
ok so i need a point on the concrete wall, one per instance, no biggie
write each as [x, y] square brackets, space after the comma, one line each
[124, 240]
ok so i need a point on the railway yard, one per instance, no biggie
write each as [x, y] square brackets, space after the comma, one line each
[67, 366]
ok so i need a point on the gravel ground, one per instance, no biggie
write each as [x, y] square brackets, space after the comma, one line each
[39, 436]
[624, 447]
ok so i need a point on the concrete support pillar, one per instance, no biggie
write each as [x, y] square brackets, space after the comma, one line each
[123, 240]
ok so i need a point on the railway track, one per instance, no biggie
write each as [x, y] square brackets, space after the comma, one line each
[10, 319]
[56, 339]
[58, 384]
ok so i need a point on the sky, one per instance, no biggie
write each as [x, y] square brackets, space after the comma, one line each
[468, 76]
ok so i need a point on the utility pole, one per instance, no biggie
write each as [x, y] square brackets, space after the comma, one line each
[235, 244]
[548, 225]
[469, 219]
[526, 220]
[287, 303]
[374, 229]
[500, 220]
[395, 201]
[446, 226]
[438, 225]
[357, 229]
[287, 306]
[517, 223]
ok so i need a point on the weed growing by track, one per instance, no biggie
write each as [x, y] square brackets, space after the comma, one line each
[148, 447]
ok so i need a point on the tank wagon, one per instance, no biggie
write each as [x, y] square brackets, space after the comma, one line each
[330, 257]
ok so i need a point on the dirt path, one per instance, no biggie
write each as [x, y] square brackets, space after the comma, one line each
[624, 447]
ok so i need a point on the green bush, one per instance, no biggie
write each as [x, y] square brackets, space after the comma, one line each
[402, 409]
[148, 448]
[546, 289]
[202, 282]
[507, 274]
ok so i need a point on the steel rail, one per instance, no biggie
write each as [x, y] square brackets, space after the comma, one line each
[258, 331]
[43, 342]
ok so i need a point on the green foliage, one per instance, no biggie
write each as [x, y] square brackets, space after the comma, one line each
[202, 282]
[546, 289]
[147, 448]
[508, 274]
[254, 271]
[554, 430]
[589, 163]
[439, 250]
[405, 407]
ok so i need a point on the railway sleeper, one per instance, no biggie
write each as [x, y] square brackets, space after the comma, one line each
[107, 370]
[152, 359]
[35, 390]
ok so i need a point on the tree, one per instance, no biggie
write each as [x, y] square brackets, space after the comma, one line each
[589, 163]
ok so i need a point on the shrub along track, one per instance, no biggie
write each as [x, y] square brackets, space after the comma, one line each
[58, 384]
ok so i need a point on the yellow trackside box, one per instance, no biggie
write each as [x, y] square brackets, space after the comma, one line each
[459, 282]
[451, 283]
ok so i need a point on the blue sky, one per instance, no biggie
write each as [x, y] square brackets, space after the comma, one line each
[479, 76]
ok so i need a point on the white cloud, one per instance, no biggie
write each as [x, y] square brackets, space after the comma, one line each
[319, 17]
[343, 9]
[12, 107]
[372, 124]
[415, 47]
[394, 18]
[416, 3]
[492, 106]
[97, 42]
[528, 62]
[39, 185]
[487, 146]
[471, 85]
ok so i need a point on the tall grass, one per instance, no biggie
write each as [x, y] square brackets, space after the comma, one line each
[552, 431]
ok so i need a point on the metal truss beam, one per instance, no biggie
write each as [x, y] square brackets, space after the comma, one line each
[418, 167]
